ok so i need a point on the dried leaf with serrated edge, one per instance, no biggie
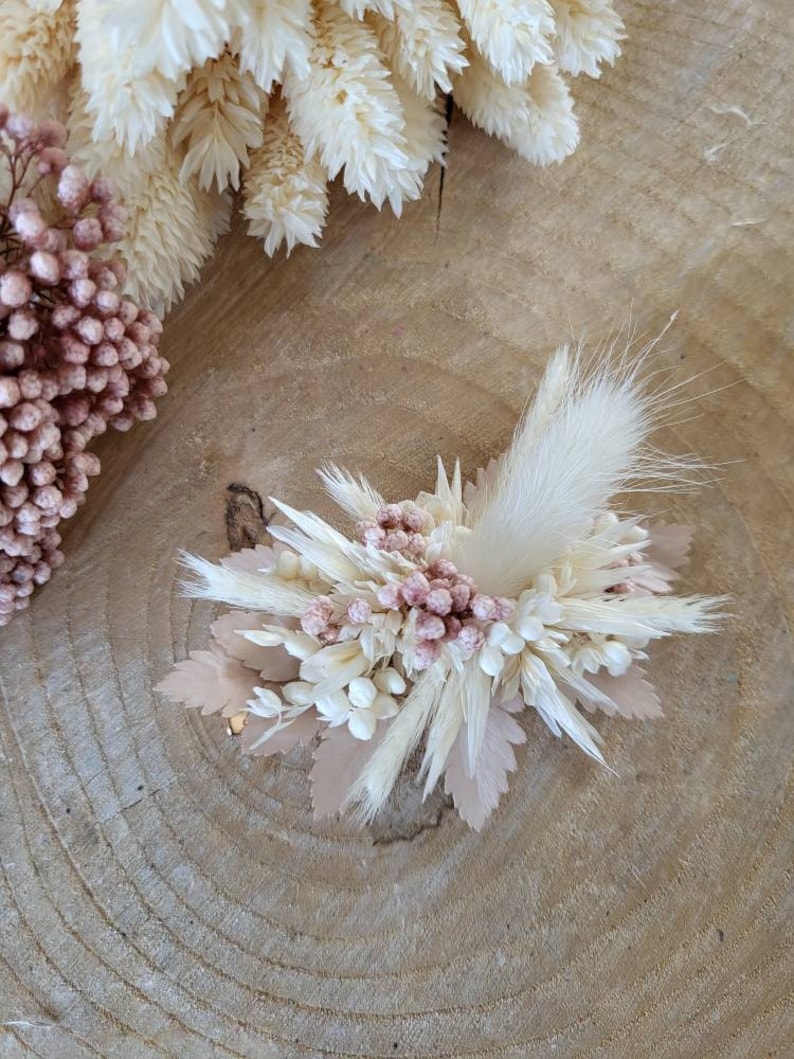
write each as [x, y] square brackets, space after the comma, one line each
[273, 662]
[212, 681]
[475, 799]
[631, 693]
[338, 762]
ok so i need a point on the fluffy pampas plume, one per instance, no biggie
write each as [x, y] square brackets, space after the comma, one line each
[195, 97]
[438, 621]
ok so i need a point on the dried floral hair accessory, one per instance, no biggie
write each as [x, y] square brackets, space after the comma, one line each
[439, 619]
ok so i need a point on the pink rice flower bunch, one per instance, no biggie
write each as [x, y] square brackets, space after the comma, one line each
[76, 355]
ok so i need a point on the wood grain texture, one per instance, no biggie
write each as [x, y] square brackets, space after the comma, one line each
[162, 897]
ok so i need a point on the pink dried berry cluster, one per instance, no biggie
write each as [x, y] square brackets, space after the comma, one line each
[442, 604]
[395, 530]
[76, 355]
[445, 606]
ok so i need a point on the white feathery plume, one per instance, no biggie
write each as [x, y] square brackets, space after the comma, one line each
[285, 196]
[646, 616]
[271, 35]
[588, 32]
[424, 127]
[353, 494]
[386, 8]
[535, 119]
[240, 589]
[172, 226]
[424, 45]
[371, 790]
[549, 488]
[217, 122]
[512, 35]
[127, 104]
[442, 731]
[346, 110]
[36, 52]
[169, 36]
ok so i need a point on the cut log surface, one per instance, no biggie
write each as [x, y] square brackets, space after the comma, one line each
[162, 896]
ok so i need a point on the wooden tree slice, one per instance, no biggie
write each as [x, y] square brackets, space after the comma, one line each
[162, 896]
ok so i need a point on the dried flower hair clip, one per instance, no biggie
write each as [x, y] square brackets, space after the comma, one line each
[442, 618]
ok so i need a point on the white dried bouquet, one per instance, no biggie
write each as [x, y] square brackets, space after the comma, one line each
[440, 619]
[181, 100]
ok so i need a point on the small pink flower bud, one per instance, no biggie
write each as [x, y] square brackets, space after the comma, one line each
[53, 241]
[9, 392]
[42, 473]
[63, 316]
[389, 596]
[45, 267]
[30, 384]
[460, 597]
[73, 188]
[359, 611]
[113, 219]
[16, 444]
[15, 288]
[11, 475]
[483, 607]
[29, 225]
[26, 416]
[503, 609]
[471, 637]
[51, 160]
[81, 291]
[90, 330]
[22, 325]
[317, 616]
[114, 329]
[443, 568]
[12, 355]
[75, 264]
[453, 626]
[439, 601]
[101, 190]
[73, 350]
[18, 126]
[107, 301]
[415, 548]
[128, 312]
[52, 134]
[48, 498]
[414, 521]
[415, 589]
[389, 516]
[396, 541]
[425, 653]
[430, 627]
[87, 233]
[464, 579]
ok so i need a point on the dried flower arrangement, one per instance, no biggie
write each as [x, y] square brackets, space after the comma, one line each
[442, 618]
[76, 354]
[179, 100]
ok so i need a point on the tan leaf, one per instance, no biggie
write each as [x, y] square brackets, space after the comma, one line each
[212, 681]
[476, 798]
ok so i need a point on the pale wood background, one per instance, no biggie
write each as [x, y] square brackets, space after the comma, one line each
[162, 897]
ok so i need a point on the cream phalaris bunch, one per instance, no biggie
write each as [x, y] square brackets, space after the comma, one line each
[181, 101]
